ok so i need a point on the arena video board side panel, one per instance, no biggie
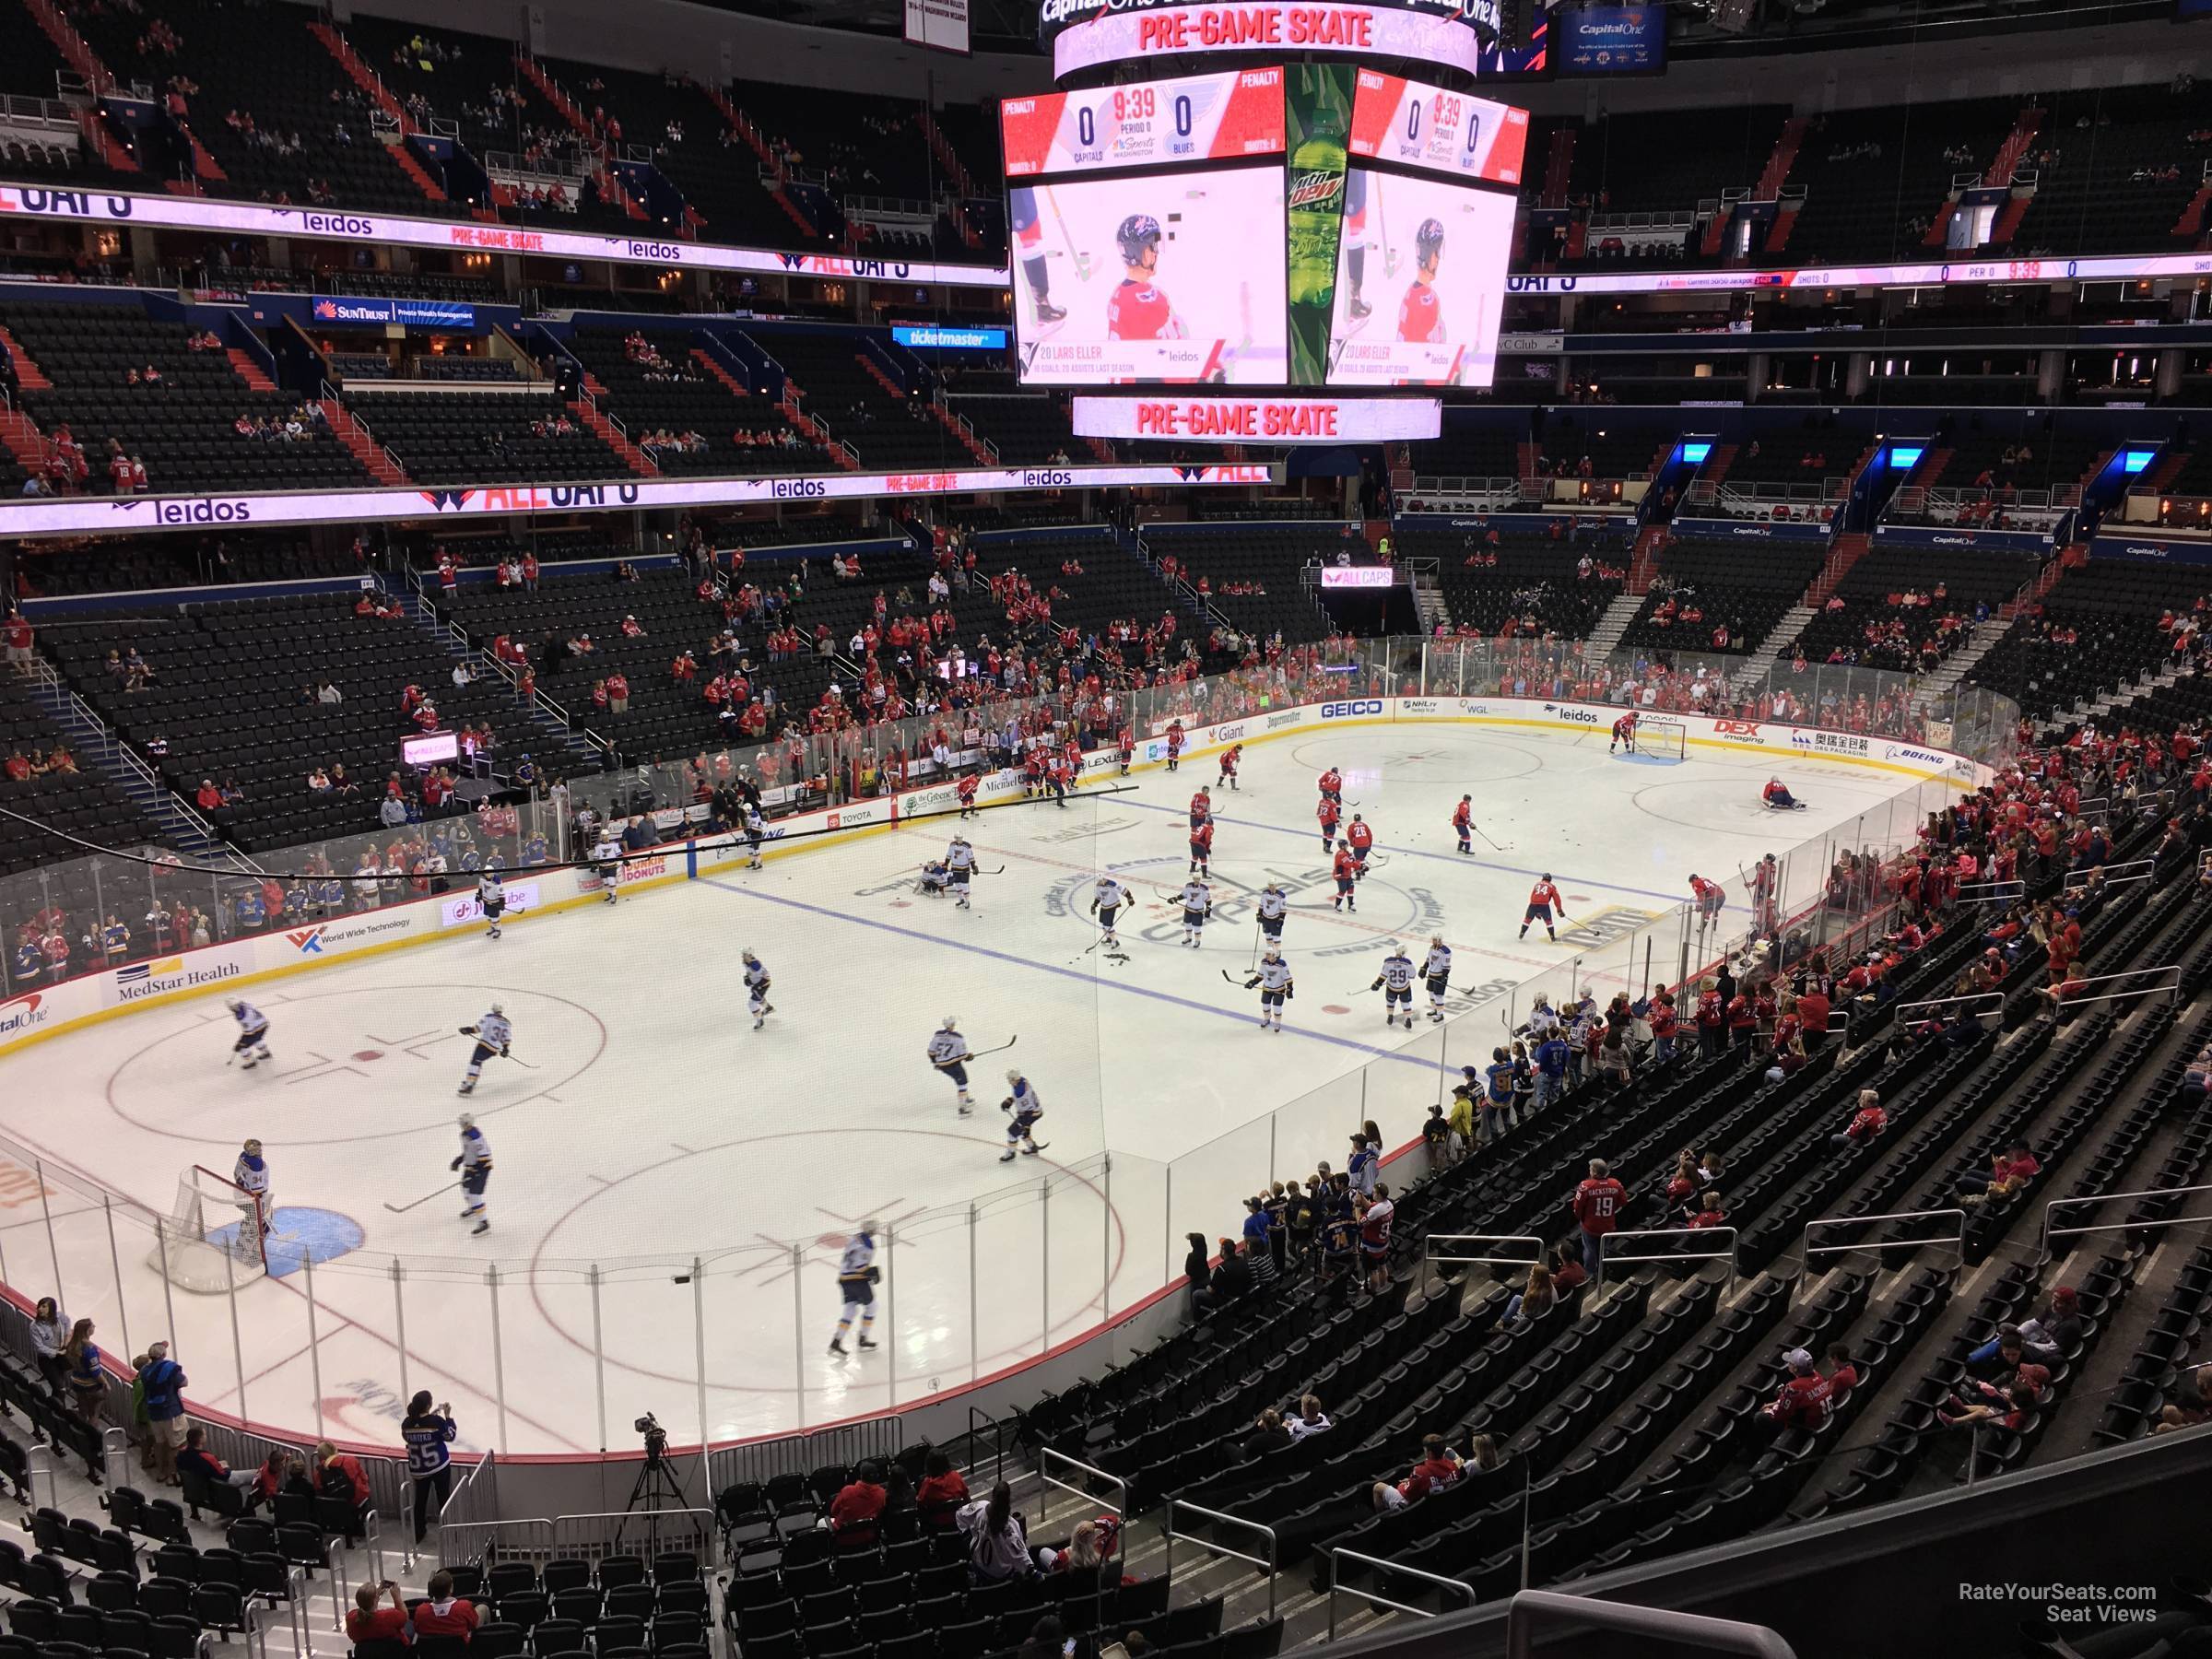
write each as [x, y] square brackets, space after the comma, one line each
[1420, 282]
[1436, 130]
[1192, 118]
[1169, 276]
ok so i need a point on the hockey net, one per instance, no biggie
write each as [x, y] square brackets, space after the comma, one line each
[1662, 739]
[213, 1236]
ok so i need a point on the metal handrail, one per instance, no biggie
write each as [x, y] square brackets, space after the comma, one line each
[1531, 1608]
[2118, 874]
[1268, 1561]
[1429, 1256]
[1728, 1254]
[1963, 1004]
[1957, 1240]
[1337, 1556]
[2170, 972]
[1046, 1457]
[2051, 1233]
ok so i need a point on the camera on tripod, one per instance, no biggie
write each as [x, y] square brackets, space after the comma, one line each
[657, 1437]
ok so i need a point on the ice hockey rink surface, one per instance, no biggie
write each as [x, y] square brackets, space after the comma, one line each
[652, 1126]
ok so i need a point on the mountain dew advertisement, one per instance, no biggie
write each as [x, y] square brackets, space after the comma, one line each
[1317, 121]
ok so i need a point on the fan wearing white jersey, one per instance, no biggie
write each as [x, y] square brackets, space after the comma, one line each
[492, 1034]
[251, 1172]
[1395, 983]
[949, 1053]
[1023, 1107]
[1436, 968]
[1198, 905]
[491, 899]
[252, 1032]
[756, 989]
[1273, 978]
[473, 1161]
[606, 859]
[1107, 897]
[959, 867]
[1274, 905]
[856, 1278]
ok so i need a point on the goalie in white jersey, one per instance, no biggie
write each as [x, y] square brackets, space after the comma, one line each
[1198, 905]
[756, 989]
[1395, 981]
[1436, 969]
[492, 1034]
[1273, 978]
[1107, 897]
[252, 1033]
[251, 1172]
[959, 867]
[949, 1053]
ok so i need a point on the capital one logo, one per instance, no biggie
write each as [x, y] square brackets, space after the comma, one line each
[23, 1013]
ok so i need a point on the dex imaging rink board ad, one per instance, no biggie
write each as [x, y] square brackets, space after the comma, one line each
[1195, 118]
[1177, 277]
[1420, 281]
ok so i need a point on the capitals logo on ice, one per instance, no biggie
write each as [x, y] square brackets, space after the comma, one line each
[23, 1014]
[142, 980]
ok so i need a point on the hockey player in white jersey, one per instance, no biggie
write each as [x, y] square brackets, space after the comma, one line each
[492, 1034]
[1395, 981]
[756, 991]
[756, 831]
[1273, 978]
[960, 866]
[1023, 1107]
[1198, 904]
[1274, 905]
[473, 1161]
[1436, 969]
[251, 1172]
[856, 1278]
[491, 899]
[252, 1033]
[606, 859]
[1107, 897]
[949, 1053]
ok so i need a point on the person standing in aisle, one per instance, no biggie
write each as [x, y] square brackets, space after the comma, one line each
[429, 1435]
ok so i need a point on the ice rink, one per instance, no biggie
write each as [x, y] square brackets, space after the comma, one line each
[652, 1126]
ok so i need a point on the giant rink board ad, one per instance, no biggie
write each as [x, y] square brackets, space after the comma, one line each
[1420, 282]
[1170, 278]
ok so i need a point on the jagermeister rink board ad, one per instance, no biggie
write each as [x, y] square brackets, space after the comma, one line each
[1317, 122]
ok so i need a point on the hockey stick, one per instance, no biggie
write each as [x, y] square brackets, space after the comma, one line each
[1233, 980]
[1390, 254]
[1494, 846]
[1082, 261]
[401, 1209]
[981, 871]
[524, 1063]
[1001, 1049]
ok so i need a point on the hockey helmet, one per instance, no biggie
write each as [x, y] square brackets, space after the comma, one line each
[467, 1121]
[1274, 952]
[235, 1004]
[1013, 1074]
[500, 1009]
[1427, 242]
[253, 1146]
[747, 956]
[1137, 231]
[952, 1022]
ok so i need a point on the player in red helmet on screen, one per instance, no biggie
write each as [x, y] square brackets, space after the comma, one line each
[1139, 310]
[1419, 316]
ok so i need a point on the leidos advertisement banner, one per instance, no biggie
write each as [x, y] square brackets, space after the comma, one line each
[1260, 419]
[1317, 122]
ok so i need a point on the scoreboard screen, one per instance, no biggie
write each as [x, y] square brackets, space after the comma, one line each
[1195, 118]
[1436, 130]
[1420, 282]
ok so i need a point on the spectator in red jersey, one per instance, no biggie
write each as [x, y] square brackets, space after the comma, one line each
[942, 1492]
[1867, 1122]
[340, 1475]
[855, 1510]
[444, 1614]
[1597, 1204]
[1709, 1213]
[2008, 1172]
[1806, 1400]
[369, 1622]
[1712, 1019]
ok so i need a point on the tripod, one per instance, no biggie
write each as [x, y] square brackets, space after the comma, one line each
[655, 1486]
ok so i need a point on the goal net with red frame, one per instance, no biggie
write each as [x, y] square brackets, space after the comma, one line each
[1662, 739]
[214, 1235]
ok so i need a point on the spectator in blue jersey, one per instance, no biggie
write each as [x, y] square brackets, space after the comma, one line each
[162, 1383]
[1498, 1102]
[1258, 1253]
[1361, 1166]
[252, 916]
[429, 1435]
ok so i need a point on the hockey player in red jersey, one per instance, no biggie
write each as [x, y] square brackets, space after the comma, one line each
[1331, 786]
[1125, 745]
[1201, 846]
[966, 789]
[1328, 815]
[1711, 899]
[1230, 756]
[1463, 822]
[1543, 899]
[1624, 732]
[1421, 317]
[1347, 871]
[1174, 743]
[1202, 806]
[1361, 838]
[1778, 798]
[1138, 309]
